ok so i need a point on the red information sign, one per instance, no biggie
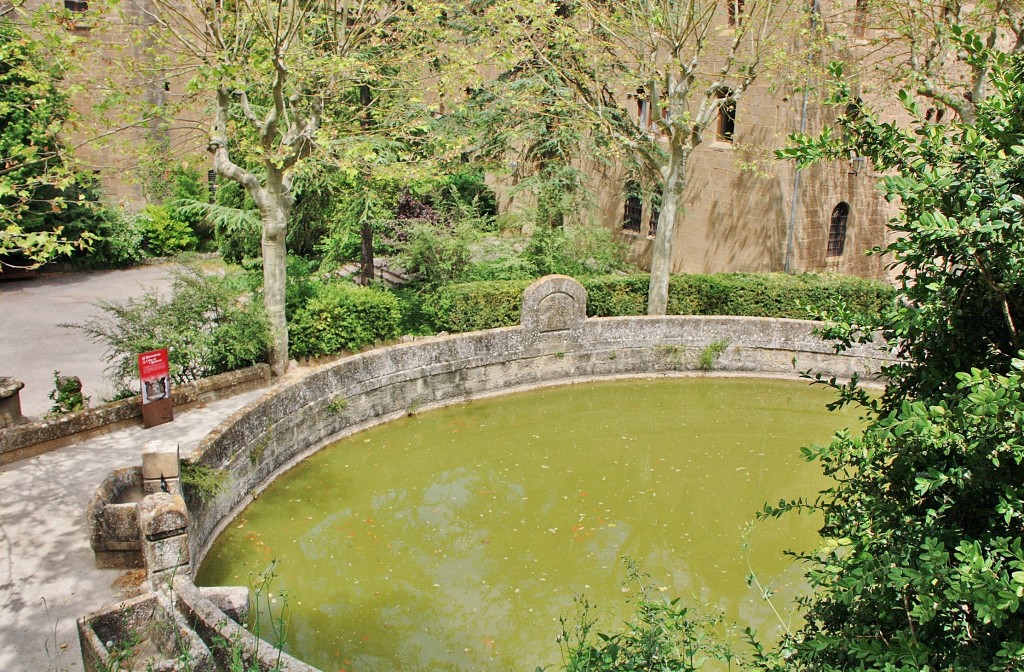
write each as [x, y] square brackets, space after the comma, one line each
[154, 373]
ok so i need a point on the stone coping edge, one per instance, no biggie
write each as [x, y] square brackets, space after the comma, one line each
[42, 435]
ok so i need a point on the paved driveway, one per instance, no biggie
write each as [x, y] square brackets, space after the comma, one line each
[33, 344]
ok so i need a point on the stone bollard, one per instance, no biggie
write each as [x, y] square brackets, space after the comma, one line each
[163, 522]
[10, 401]
[160, 470]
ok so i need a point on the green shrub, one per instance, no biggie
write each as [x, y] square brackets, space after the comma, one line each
[485, 305]
[781, 295]
[178, 188]
[237, 228]
[467, 189]
[475, 306]
[504, 268]
[437, 252]
[166, 235]
[118, 234]
[579, 251]
[342, 316]
[120, 240]
[206, 324]
[747, 294]
[300, 285]
[609, 296]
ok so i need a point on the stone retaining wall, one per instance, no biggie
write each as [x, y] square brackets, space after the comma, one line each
[556, 344]
[35, 437]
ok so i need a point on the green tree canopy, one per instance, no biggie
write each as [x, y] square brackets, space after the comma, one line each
[33, 165]
[922, 565]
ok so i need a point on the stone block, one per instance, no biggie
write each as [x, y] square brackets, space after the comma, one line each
[113, 520]
[116, 528]
[10, 401]
[165, 554]
[118, 559]
[160, 458]
[151, 487]
[162, 515]
[146, 629]
[232, 600]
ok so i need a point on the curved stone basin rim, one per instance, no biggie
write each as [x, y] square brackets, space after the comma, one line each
[555, 344]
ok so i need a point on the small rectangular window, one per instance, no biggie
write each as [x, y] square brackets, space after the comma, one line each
[633, 213]
[726, 115]
[735, 8]
[76, 5]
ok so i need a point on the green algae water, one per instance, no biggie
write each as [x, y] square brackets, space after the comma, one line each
[457, 539]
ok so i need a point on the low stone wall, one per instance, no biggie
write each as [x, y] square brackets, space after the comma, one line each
[35, 437]
[145, 632]
[556, 344]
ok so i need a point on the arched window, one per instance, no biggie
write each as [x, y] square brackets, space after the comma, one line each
[934, 115]
[837, 230]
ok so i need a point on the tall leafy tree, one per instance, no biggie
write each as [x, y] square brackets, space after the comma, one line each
[529, 120]
[280, 77]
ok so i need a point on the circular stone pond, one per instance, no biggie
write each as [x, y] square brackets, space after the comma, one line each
[457, 539]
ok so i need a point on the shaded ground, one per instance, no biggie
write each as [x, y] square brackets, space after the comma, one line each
[33, 344]
[47, 574]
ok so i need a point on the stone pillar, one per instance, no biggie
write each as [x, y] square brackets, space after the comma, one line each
[10, 401]
[160, 471]
[163, 522]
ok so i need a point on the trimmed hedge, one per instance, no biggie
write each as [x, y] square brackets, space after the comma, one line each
[473, 306]
[485, 305]
[342, 316]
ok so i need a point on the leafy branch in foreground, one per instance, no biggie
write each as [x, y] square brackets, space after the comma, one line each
[921, 564]
[34, 167]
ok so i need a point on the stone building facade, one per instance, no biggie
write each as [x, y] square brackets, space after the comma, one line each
[114, 70]
[746, 212]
